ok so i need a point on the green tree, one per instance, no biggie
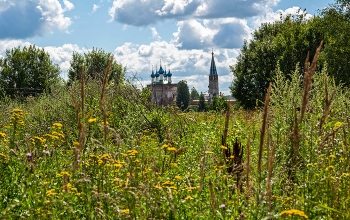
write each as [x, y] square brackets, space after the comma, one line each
[95, 63]
[27, 71]
[286, 42]
[334, 24]
[183, 95]
[202, 107]
[194, 94]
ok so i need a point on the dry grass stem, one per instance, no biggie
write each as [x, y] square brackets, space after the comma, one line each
[263, 126]
[307, 82]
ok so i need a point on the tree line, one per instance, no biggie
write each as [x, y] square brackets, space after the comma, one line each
[285, 44]
[29, 71]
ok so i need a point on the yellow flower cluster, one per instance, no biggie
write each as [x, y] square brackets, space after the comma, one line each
[2, 135]
[38, 140]
[57, 125]
[3, 157]
[126, 211]
[92, 120]
[51, 192]
[293, 212]
[132, 152]
[17, 115]
[63, 173]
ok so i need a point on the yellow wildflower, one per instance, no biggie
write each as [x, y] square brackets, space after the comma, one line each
[178, 177]
[223, 147]
[50, 192]
[293, 212]
[57, 125]
[105, 123]
[164, 146]
[332, 156]
[158, 187]
[232, 156]
[126, 211]
[330, 168]
[92, 120]
[171, 149]
[337, 125]
[189, 197]
[3, 135]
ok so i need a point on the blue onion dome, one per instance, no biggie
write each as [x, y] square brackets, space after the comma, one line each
[152, 75]
[157, 74]
[161, 71]
[169, 73]
[165, 74]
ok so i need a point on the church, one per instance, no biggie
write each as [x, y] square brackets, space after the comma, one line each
[163, 91]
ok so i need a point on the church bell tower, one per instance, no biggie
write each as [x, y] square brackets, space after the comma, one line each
[213, 79]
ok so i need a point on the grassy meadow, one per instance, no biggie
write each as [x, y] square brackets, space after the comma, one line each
[102, 151]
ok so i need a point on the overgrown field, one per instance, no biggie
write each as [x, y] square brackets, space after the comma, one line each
[103, 152]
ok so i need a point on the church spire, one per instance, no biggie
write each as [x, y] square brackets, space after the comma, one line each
[212, 65]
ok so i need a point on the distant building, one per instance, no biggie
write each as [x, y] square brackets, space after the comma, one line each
[163, 92]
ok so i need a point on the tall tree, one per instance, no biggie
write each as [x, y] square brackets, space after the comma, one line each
[27, 71]
[202, 107]
[194, 94]
[334, 24]
[286, 42]
[95, 63]
[183, 95]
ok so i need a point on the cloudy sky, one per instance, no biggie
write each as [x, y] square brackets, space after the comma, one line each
[140, 33]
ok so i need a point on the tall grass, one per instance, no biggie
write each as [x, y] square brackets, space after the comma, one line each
[138, 161]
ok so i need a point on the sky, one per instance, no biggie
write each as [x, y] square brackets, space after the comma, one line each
[179, 34]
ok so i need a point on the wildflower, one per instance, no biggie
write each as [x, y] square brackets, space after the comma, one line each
[29, 155]
[158, 187]
[58, 134]
[231, 157]
[178, 177]
[332, 156]
[50, 192]
[188, 197]
[118, 165]
[92, 120]
[105, 123]
[126, 211]
[76, 145]
[57, 125]
[223, 147]
[168, 183]
[165, 146]
[171, 149]
[137, 161]
[3, 135]
[330, 168]
[132, 152]
[222, 206]
[3, 156]
[293, 212]
[337, 125]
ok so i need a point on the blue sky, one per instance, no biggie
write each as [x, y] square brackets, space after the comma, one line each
[182, 33]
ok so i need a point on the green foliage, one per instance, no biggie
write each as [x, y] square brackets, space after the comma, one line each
[183, 95]
[194, 94]
[286, 42]
[27, 71]
[218, 104]
[202, 105]
[162, 163]
[95, 63]
[335, 27]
